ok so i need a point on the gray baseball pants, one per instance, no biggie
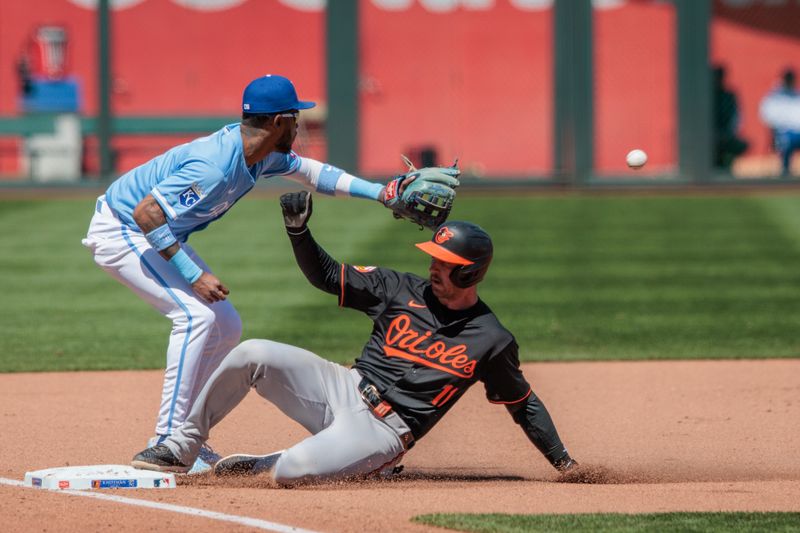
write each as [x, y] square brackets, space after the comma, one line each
[347, 438]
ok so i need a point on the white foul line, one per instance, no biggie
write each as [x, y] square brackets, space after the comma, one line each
[193, 511]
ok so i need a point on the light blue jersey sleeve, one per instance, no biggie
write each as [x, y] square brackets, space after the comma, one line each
[330, 180]
[280, 164]
[187, 187]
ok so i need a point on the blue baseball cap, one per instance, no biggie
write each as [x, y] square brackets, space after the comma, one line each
[271, 94]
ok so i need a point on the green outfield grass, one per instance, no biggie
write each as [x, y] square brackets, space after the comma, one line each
[617, 523]
[574, 278]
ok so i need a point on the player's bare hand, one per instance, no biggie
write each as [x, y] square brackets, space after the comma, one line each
[209, 288]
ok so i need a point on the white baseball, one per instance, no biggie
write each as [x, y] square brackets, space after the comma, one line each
[636, 158]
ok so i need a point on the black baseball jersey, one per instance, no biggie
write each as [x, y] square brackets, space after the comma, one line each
[422, 356]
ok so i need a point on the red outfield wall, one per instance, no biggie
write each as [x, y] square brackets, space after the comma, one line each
[472, 77]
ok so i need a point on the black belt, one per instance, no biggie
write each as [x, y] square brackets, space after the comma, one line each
[372, 397]
[382, 409]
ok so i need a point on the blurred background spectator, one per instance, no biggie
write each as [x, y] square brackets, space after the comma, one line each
[727, 143]
[780, 110]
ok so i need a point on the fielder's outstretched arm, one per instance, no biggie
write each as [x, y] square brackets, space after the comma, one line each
[327, 179]
[429, 208]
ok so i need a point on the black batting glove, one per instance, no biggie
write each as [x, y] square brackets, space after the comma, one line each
[296, 208]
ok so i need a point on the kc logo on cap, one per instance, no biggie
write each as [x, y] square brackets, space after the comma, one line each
[271, 94]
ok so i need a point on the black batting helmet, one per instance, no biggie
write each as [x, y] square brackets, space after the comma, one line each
[464, 244]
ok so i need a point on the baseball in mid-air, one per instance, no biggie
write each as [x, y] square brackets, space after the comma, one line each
[636, 158]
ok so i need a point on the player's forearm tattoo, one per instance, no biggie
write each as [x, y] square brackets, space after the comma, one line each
[149, 215]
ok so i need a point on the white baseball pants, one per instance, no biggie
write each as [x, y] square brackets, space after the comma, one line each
[347, 438]
[202, 334]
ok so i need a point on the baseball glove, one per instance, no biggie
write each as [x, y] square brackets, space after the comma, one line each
[424, 196]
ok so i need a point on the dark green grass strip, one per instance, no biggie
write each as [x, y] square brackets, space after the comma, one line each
[574, 278]
[618, 523]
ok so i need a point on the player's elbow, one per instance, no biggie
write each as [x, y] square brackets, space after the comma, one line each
[517, 411]
[148, 214]
[141, 211]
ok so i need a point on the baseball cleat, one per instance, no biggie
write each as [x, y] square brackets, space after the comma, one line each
[246, 465]
[160, 459]
[205, 461]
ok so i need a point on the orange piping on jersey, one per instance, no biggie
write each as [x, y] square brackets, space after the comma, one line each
[515, 401]
[341, 282]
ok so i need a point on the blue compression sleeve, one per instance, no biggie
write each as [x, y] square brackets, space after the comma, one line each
[328, 178]
[188, 268]
[365, 189]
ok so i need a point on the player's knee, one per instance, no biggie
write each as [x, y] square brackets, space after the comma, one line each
[251, 351]
[224, 320]
[200, 317]
[294, 468]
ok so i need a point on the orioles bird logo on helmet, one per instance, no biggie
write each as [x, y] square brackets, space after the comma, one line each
[443, 235]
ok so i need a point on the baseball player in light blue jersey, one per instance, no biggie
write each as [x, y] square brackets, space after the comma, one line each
[140, 227]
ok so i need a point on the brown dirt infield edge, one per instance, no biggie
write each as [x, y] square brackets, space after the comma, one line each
[657, 436]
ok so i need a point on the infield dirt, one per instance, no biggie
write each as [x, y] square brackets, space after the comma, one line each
[651, 436]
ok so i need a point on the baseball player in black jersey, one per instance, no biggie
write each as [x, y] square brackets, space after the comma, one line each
[431, 340]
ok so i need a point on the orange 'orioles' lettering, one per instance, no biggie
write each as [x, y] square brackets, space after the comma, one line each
[453, 360]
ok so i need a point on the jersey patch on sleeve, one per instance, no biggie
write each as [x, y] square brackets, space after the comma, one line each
[364, 269]
[191, 196]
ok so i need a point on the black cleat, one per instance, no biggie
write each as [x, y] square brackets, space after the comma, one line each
[246, 465]
[160, 459]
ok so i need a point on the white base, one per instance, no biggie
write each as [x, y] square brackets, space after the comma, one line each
[99, 477]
